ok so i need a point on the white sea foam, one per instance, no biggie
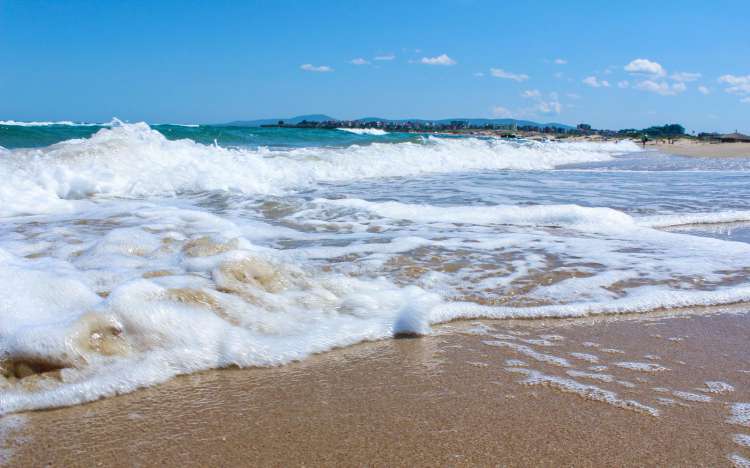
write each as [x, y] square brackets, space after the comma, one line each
[641, 366]
[718, 387]
[688, 396]
[364, 131]
[145, 258]
[738, 461]
[742, 439]
[537, 215]
[590, 392]
[680, 219]
[586, 357]
[740, 414]
[66, 123]
[134, 160]
[530, 352]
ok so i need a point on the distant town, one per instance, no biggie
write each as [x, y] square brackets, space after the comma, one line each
[511, 129]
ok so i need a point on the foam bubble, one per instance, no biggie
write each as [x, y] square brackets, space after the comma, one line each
[530, 352]
[641, 366]
[740, 414]
[589, 392]
[718, 387]
[586, 357]
[739, 461]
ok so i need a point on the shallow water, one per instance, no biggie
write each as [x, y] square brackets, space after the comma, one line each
[128, 257]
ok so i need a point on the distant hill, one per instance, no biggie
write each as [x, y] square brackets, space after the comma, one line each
[323, 118]
[292, 120]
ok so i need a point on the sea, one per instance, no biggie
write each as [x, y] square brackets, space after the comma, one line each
[131, 253]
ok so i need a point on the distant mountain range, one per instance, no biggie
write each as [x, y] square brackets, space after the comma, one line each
[323, 118]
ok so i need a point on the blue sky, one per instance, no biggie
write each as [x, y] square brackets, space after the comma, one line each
[611, 64]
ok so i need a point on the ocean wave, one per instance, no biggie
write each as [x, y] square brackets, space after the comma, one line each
[570, 216]
[67, 123]
[682, 219]
[132, 160]
[364, 131]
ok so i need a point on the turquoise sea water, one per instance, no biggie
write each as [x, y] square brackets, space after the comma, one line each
[17, 136]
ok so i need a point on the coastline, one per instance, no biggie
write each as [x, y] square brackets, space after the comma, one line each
[703, 149]
[449, 398]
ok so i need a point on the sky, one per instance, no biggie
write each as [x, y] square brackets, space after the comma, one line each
[610, 64]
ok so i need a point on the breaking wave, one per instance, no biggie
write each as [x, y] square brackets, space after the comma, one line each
[132, 160]
[364, 131]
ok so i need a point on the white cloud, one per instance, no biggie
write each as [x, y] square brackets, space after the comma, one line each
[549, 107]
[737, 84]
[560, 61]
[313, 68]
[545, 105]
[385, 57]
[479, 74]
[501, 112]
[559, 75]
[443, 60]
[623, 84]
[573, 96]
[704, 90]
[661, 87]
[359, 61]
[646, 67]
[745, 100]
[685, 77]
[594, 82]
[500, 73]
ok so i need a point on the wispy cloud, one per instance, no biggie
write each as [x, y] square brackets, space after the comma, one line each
[736, 84]
[685, 77]
[559, 61]
[317, 69]
[479, 74]
[661, 87]
[704, 90]
[384, 57]
[359, 61]
[645, 67]
[443, 60]
[549, 104]
[500, 73]
[623, 84]
[501, 112]
[595, 82]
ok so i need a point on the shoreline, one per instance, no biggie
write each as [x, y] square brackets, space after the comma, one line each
[703, 149]
[449, 398]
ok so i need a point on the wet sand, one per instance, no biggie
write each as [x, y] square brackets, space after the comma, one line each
[447, 399]
[702, 149]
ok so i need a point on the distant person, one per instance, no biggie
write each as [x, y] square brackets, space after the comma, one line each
[644, 139]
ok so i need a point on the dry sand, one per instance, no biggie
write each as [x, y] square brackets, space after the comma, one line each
[448, 399]
[702, 149]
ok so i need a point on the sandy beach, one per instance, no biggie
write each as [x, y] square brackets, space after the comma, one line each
[703, 149]
[652, 390]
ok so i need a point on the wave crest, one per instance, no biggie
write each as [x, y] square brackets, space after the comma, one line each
[133, 160]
